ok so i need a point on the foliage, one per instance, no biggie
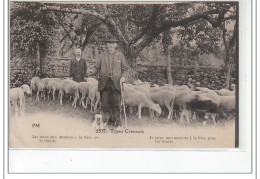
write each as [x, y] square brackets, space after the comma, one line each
[198, 26]
[29, 26]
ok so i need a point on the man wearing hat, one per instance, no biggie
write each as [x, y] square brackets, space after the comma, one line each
[112, 71]
[78, 67]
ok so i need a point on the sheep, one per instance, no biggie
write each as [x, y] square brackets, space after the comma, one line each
[227, 105]
[136, 98]
[226, 92]
[17, 98]
[70, 87]
[154, 89]
[182, 98]
[167, 87]
[205, 102]
[34, 84]
[94, 94]
[233, 87]
[41, 87]
[53, 86]
[142, 89]
[47, 80]
[164, 98]
[138, 82]
[84, 90]
[145, 90]
[92, 80]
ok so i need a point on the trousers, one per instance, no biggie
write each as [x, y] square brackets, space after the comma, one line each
[111, 99]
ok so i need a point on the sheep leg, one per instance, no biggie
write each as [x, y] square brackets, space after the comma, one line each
[96, 105]
[43, 94]
[60, 99]
[139, 111]
[48, 93]
[170, 111]
[92, 104]
[188, 117]
[37, 96]
[53, 95]
[82, 100]
[87, 101]
[74, 104]
[213, 116]
[151, 113]
[193, 116]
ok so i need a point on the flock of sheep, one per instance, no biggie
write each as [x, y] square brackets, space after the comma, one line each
[177, 102]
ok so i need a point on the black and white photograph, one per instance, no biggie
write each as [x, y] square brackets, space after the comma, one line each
[138, 75]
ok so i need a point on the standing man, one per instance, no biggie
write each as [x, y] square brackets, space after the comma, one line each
[112, 71]
[78, 67]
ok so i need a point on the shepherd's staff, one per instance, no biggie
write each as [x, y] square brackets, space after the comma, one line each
[123, 101]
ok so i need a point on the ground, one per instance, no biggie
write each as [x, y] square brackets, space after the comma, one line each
[57, 120]
[80, 113]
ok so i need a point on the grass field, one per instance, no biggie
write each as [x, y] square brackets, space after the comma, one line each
[56, 120]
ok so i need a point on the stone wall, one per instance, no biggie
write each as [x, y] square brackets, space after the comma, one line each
[208, 77]
[22, 70]
[59, 67]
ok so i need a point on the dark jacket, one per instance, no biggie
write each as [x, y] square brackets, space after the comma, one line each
[78, 69]
[119, 68]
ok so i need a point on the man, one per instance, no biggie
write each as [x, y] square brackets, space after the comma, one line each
[112, 71]
[78, 67]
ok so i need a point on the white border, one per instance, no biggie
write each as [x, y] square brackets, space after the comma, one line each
[148, 161]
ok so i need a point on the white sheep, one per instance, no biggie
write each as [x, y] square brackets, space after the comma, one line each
[136, 98]
[17, 98]
[91, 80]
[155, 89]
[84, 91]
[94, 96]
[138, 82]
[143, 89]
[233, 87]
[47, 80]
[41, 87]
[227, 105]
[69, 87]
[34, 84]
[226, 92]
[164, 98]
[53, 86]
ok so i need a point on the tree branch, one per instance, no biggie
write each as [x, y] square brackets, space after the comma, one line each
[90, 31]
[108, 21]
[75, 11]
[154, 14]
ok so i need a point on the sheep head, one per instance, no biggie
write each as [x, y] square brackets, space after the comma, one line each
[157, 109]
[26, 89]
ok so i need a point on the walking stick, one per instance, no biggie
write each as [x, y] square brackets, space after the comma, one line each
[123, 101]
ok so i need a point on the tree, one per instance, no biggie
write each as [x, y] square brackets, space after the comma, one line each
[30, 30]
[142, 24]
[210, 38]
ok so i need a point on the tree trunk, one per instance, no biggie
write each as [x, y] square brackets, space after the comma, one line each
[96, 53]
[228, 72]
[38, 59]
[169, 69]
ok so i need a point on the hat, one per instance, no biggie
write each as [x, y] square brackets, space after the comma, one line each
[111, 39]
